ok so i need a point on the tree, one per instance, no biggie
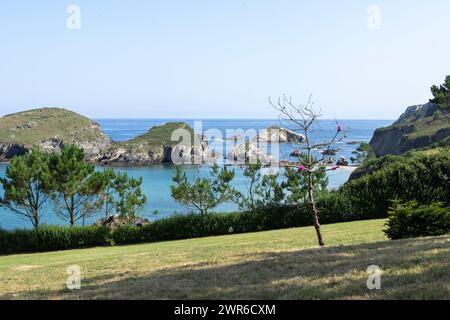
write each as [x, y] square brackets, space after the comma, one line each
[253, 172]
[263, 190]
[270, 193]
[362, 153]
[77, 186]
[296, 183]
[27, 186]
[204, 194]
[107, 195]
[442, 94]
[304, 118]
[128, 199]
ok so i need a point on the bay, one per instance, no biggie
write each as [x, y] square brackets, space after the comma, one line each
[158, 178]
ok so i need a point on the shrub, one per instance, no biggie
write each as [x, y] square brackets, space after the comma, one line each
[411, 220]
[52, 238]
[333, 207]
[415, 176]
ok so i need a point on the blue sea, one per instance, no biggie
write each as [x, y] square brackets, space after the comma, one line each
[158, 178]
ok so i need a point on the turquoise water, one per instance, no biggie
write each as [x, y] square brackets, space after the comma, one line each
[158, 178]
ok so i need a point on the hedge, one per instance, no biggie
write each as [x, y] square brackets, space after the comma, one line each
[415, 176]
[333, 208]
[411, 220]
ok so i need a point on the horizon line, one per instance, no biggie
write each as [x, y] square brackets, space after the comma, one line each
[242, 119]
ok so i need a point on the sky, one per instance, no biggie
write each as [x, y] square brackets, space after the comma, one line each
[221, 59]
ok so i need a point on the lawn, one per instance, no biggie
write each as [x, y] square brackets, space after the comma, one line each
[284, 264]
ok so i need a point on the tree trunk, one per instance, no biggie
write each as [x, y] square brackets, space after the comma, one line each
[72, 212]
[314, 212]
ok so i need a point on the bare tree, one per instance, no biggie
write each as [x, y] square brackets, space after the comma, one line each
[302, 118]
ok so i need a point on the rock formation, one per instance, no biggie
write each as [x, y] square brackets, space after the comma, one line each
[419, 127]
[281, 135]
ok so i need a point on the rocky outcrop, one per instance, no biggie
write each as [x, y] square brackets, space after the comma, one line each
[49, 129]
[134, 157]
[249, 152]
[417, 112]
[280, 135]
[343, 162]
[419, 127]
[9, 151]
[158, 146]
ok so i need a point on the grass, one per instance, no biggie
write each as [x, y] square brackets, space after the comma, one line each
[159, 135]
[284, 264]
[34, 126]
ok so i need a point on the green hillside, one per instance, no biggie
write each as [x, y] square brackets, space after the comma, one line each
[34, 126]
[159, 135]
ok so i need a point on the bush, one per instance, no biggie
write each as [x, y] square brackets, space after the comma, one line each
[52, 239]
[415, 176]
[411, 220]
[333, 207]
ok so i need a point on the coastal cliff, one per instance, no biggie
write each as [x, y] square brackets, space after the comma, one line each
[419, 127]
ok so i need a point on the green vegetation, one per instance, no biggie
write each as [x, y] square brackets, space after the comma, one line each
[160, 136]
[263, 190]
[125, 196]
[264, 265]
[74, 187]
[31, 127]
[442, 94]
[27, 186]
[205, 193]
[362, 153]
[333, 207]
[418, 175]
[411, 220]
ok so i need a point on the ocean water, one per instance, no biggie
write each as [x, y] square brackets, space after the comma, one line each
[158, 178]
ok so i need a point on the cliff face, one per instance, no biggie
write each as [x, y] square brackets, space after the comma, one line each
[419, 127]
[49, 129]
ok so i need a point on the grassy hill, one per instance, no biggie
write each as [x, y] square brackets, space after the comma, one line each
[50, 128]
[159, 135]
[283, 264]
[34, 126]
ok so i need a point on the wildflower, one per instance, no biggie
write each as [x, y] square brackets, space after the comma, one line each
[340, 128]
[301, 168]
[334, 168]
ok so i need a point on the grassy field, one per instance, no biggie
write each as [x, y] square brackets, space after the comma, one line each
[283, 264]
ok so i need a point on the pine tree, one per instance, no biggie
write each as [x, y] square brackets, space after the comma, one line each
[27, 184]
[204, 194]
[76, 185]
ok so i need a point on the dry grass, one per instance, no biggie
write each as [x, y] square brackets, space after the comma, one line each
[277, 264]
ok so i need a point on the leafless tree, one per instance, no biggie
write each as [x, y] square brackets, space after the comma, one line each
[302, 118]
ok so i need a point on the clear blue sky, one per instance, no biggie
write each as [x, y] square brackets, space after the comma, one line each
[221, 59]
